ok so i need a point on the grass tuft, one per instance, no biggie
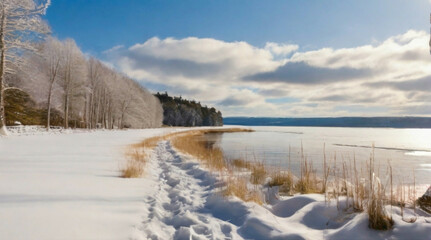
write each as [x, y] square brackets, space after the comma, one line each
[238, 187]
[136, 160]
[307, 182]
[377, 217]
[284, 180]
[258, 173]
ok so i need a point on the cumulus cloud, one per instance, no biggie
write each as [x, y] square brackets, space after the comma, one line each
[241, 79]
[281, 49]
[192, 57]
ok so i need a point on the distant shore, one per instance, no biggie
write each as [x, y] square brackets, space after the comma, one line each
[371, 122]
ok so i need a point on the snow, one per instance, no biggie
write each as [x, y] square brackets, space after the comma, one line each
[3, 131]
[66, 186]
[41, 130]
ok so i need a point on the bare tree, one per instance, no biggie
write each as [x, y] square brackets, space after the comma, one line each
[53, 56]
[87, 92]
[74, 76]
[95, 69]
[20, 24]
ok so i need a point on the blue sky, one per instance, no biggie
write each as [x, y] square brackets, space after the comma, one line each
[280, 35]
[98, 25]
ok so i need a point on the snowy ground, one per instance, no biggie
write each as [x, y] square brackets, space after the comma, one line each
[66, 186]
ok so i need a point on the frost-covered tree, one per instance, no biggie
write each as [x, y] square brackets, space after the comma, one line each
[116, 101]
[73, 78]
[52, 54]
[83, 92]
[94, 83]
[20, 25]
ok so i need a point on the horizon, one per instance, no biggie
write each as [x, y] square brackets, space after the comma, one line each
[336, 117]
[347, 58]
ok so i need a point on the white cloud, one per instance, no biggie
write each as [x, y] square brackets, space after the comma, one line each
[113, 49]
[281, 49]
[239, 78]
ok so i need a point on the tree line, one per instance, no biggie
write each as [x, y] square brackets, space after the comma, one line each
[61, 84]
[181, 112]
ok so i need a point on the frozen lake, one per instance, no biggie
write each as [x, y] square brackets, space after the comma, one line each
[408, 150]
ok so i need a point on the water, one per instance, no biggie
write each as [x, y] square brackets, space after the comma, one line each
[407, 150]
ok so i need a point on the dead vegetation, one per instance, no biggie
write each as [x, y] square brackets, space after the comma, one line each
[211, 157]
[135, 163]
[283, 180]
[136, 155]
[240, 163]
[307, 182]
[377, 215]
[258, 173]
[238, 186]
[359, 185]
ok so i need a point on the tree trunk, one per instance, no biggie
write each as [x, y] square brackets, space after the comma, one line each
[91, 111]
[48, 117]
[3, 130]
[66, 111]
[85, 118]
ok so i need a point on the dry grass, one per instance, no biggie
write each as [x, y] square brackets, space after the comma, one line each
[359, 189]
[189, 144]
[258, 173]
[326, 172]
[135, 165]
[133, 169]
[137, 154]
[237, 186]
[377, 217]
[240, 163]
[151, 143]
[284, 180]
[257, 169]
[307, 182]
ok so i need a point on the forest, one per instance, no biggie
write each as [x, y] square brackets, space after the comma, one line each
[181, 112]
[48, 81]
